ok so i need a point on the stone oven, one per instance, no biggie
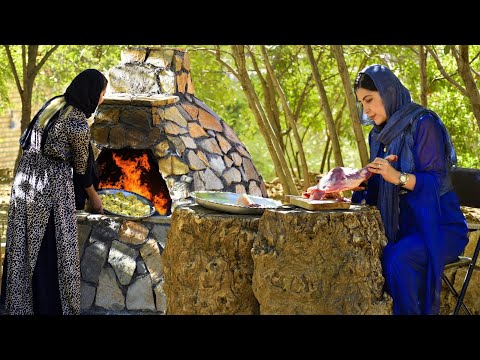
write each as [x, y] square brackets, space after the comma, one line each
[152, 136]
[157, 139]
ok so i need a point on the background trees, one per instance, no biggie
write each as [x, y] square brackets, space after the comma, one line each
[292, 105]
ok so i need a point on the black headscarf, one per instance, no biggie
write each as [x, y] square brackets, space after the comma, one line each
[84, 91]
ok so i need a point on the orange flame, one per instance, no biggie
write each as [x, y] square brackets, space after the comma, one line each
[130, 180]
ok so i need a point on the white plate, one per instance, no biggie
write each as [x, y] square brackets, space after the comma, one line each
[226, 202]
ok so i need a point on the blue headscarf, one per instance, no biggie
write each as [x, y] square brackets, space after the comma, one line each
[397, 135]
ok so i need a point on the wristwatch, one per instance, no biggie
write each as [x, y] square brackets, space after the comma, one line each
[403, 179]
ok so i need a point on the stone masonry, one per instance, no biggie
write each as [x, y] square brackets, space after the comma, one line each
[150, 104]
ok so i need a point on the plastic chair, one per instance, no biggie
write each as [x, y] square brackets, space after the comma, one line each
[466, 183]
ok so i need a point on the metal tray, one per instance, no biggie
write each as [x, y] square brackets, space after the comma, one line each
[125, 192]
[226, 202]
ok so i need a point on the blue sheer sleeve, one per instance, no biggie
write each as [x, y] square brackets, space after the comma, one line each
[429, 151]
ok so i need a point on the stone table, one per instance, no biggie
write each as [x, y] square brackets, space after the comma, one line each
[207, 262]
[320, 262]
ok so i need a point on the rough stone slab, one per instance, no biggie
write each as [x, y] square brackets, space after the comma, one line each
[240, 189]
[191, 109]
[178, 60]
[160, 298]
[171, 113]
[87, 295]
[253, 189]
[189, 142]
[230, 134]
[135, 138]
[243, 151]
[228, 161]
[105, 231]
[140, 295]
[207, 262]
[159, 58]
[133, 55]
[93, 261]
[132, 232]
[151, 256]
[141, 267]
[237, 159]
[208, 121]
[199, 181]
[178, 145]
[139, 117]
[190, 85]
[211, 146]
[123, 260]
[203, 157]
[322, 262]
[83, 234]
[134, 78]
[107, 114]
[250, 171]
[167, 81]
[181, 82]
[195, 162]
[161, 149]
[186, 61]
[173, 129]
[196, 130]
[224, 144]
[217, 164]
[159, 233]
[109, 295]
[117, 137]
[126, 99]
[232, 175]
[179, 167]
[212, 182]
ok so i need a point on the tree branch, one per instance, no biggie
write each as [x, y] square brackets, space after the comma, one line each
[45, 58]
[444, 73]
[14, 70]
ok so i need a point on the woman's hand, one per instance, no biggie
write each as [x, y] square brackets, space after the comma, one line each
[96, 203]
[94, 200]
[382, 167]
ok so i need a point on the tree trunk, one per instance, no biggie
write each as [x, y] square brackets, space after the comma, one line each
[271, 107]
[289, 116]
[326, 150]
[463, 63]
[347, 86]
[422, 59]
[274, 147]
[326, 107]
[30, 69]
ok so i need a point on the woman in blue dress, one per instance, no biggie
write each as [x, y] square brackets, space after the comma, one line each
[413, 191]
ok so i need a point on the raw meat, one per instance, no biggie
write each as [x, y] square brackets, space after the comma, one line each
[244, 200]
[336, 180]
[339, 179]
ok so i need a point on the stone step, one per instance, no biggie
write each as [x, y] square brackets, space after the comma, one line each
[139, 99]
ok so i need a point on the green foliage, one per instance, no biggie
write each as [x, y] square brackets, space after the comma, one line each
[220, 90]
[226, 97]
[69, 60]
[57, 72]
[5, 80]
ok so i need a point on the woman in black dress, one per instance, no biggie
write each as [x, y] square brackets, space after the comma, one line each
[42, 266]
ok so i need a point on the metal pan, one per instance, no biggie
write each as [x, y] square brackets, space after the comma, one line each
[226, 202]
[126, 193]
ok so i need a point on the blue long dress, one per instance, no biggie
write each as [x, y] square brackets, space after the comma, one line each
[423, 214]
